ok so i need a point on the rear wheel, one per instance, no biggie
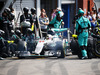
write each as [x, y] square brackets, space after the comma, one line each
[74, 47]
[79, 54]
[43, 52]
[90, 48]
[19, 57]
[97, 50]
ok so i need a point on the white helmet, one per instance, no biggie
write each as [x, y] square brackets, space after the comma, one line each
[60, 13]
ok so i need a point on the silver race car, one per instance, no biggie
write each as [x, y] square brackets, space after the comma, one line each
[51, 46]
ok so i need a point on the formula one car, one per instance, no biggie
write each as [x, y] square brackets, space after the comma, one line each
[52, 46]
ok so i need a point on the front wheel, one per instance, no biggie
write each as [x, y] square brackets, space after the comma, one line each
[59, 49]
[60, 54]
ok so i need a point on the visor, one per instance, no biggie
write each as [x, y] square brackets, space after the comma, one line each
[61, 14]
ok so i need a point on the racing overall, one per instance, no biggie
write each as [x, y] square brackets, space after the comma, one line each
[3, 50]
[27, 17]
[36, 27]
[15, 38]
[2, 44]
[13, 45]
[82, 26]
[35, 21]
[30, 42]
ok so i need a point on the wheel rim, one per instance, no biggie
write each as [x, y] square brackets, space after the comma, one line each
[98, 49]
[59, 53]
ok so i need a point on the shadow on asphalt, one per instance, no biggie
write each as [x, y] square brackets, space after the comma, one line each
[68, 57]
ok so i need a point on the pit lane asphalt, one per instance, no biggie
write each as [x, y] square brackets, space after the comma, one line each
[70, 65]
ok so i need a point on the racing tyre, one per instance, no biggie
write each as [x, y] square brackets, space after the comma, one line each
[79, 54]
[19, 57]
[60, 54]
[90, 47]
[97, 50]
[74, 47]
[59, 50]
[4, 55]
[90, 55]
[42, 53]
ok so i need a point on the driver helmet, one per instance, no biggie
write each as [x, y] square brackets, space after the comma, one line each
[51, 32]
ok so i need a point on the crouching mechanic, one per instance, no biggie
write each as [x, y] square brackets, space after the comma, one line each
[14, 40]
[2, 44]
[82, 27]
[26, 20]
[57, 21]
[30, 40]
[30, 35]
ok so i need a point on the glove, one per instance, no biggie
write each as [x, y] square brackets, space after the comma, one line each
[91, 34]
[10, 41]
[74, 36]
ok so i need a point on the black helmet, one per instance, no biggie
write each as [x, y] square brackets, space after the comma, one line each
[12, 32]
[7, 10]
[96, 31]
[51, 32]
[2, 32]
[25, 9]
[29, 30]
[33, 10]
[17, 31]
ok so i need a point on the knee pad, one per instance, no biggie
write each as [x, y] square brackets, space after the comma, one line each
[82, 47]
[85, 47]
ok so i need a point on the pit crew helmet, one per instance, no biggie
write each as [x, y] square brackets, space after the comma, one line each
[33, 10]
[25, 9]
[80, 11]
[2, 32]
[60, 14]
[12, 32]
[29, 30]
[18, 31]
[7, 10]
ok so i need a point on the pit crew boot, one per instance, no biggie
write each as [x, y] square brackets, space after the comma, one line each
[1, 58]
[84, 54]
